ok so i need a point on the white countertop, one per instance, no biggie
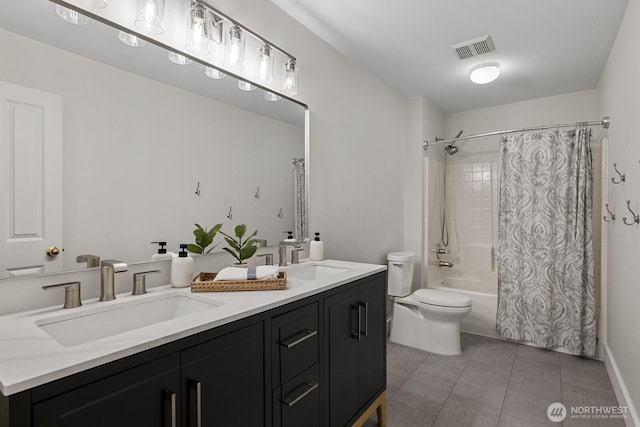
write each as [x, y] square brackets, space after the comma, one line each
[29, 357]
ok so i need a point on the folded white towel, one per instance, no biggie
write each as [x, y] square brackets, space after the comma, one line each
[251, 273]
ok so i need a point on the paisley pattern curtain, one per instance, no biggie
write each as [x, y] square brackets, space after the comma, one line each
[545, 256]
[299, 197]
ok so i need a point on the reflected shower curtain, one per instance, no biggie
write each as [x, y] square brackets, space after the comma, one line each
[545, 255]
[299, 197]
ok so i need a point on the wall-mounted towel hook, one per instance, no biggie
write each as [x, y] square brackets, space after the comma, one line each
[611, 214]
[229, 215]
[636, 218]
[280, 215]
[622, 176]
[198, 189]
[257, 194]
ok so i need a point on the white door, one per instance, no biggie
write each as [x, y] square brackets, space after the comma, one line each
[30, 181]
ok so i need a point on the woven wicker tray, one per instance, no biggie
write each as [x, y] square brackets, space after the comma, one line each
[204, 282]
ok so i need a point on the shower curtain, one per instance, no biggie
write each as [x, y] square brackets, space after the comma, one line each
[299, 197]
[546, 290]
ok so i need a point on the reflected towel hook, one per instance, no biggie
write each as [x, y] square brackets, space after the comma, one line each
[257, 194]
[280, 215]
[636, 218]
[611, 214]
[622, 176]
[229, 215]
[198, 189]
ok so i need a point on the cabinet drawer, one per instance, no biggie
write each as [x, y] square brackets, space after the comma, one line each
[294, 342]
[297, 403]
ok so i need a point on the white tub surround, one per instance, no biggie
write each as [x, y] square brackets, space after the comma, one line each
[29, 356]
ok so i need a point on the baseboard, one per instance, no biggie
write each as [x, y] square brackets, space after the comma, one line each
[620, 389]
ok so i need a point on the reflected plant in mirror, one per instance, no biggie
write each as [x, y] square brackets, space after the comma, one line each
[240, 250]
[204, 238]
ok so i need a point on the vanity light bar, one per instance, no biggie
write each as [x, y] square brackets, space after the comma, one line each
[232, 21]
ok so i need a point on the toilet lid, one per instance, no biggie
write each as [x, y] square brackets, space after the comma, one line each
[442, 298]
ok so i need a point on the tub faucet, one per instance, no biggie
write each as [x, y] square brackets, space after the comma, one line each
[445, 264]
[282, 251]
[108, 268]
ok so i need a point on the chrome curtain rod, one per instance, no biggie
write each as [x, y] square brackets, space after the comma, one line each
[604, 123]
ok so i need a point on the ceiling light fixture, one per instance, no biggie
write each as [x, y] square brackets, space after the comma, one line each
[214, 73]
[130, 39]
[484, 74]
[178, 59]
[71, 16]
[197, 30]
[150, 16]
[290, 86]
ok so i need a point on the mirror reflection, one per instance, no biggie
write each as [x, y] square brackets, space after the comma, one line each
[142, 149]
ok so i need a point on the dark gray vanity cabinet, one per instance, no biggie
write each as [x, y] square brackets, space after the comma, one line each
[355, 341]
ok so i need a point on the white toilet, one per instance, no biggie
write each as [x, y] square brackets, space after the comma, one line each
[428, 319]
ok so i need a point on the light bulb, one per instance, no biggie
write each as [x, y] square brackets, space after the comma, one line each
[130, 39]
[150, 16]
[264, 67]
[290, 85]
[485, 74]
[178, 59]
[214, 73]
[245, 86]
[270, 96]
[234, 49]
[197, 39]
[71, 15]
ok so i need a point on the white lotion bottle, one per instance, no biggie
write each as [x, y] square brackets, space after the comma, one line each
[162, 252]
[316, 249]
[181, 268]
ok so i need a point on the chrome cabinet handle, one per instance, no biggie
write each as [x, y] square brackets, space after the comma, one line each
[198, 386]
[173, 412]
[309, 387]
[356, 334]
[298, 338]
[364, 331]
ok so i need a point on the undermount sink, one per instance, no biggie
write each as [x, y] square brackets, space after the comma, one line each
[106, 321]
[314, 271]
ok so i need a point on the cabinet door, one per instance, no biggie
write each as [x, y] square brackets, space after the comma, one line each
[372, 344]
[223, 381]
[341, 328]
[141, 397]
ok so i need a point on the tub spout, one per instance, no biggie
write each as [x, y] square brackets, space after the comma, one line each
[445, 264]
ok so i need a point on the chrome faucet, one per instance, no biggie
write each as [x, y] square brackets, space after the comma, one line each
[282, 251]
[445, 264]
[108, 268]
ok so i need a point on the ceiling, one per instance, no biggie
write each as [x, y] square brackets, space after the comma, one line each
[543, 47]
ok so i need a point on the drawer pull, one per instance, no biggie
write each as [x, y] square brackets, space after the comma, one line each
[365, 331]
[173, 418]
[298, 338]
[309, 386]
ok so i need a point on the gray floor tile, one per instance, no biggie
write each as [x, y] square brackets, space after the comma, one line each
[394, 382]
[485, 374]
[459, 411]
[540, 379]
[521, 409]
[495, 352]
[575, 397]
[399, 415]
[403, 361]
[426, 390]
[454, 364]
[584, 372]
[527, 352]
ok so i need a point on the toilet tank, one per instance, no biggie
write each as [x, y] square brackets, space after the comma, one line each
[400, 273]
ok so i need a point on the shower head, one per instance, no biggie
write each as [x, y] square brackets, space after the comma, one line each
[450, 148]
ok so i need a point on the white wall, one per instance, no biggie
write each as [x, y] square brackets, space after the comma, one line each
[619, 97]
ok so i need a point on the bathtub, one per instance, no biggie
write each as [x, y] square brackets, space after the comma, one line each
[484, 306]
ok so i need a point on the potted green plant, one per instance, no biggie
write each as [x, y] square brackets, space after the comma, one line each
[240, 249]
[204, 238]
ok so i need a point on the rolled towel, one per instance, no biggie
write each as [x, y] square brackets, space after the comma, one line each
[251, 273]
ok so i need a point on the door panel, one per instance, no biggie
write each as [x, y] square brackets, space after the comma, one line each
[30, 180]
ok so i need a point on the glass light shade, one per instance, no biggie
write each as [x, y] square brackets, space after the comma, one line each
[71, 15]
[130, 39]
[95, 4]
[264, 65]
[485, 74]
[197, 27]
[150, 16]
[270, 96]
[246, 86]
[178, 59]
[214, 73]
[234, 48]
[290, 81]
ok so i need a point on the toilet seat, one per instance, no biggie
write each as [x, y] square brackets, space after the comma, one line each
[442, 298]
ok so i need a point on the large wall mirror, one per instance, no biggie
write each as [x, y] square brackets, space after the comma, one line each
[147, 148]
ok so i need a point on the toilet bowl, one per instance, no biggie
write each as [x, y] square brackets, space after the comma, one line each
[428, 319]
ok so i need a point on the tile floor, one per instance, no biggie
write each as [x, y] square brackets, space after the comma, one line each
[492, 383]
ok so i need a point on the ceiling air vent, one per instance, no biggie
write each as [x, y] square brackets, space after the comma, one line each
[474, 47]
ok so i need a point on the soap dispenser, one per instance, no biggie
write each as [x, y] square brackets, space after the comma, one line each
[162, 252]
[289, 236]
[316, 249]
[181, 268]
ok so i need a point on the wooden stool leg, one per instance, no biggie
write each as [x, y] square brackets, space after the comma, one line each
[380, 406]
